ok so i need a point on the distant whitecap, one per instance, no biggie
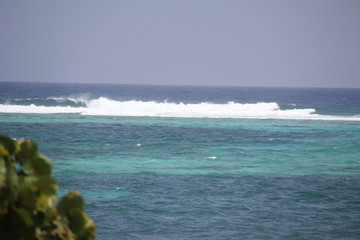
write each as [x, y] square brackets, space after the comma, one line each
[106, 107]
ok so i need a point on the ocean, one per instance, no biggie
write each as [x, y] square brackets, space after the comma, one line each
[184, 162]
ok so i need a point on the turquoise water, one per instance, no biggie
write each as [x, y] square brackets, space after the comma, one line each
[169, 178]
[205, 178]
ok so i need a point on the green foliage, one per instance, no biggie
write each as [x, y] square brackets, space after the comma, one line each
[28, 202]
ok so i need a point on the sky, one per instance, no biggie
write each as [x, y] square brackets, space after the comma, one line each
[262, 43]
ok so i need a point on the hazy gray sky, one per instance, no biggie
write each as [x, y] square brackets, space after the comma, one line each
[309, 43]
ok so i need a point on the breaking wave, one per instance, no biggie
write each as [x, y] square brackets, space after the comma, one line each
[106, 107]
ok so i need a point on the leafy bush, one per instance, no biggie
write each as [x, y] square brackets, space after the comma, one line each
[28, 199]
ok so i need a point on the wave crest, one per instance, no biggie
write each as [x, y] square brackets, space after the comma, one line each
[106, 107]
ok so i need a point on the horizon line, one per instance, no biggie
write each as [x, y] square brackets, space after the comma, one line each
[180, 85]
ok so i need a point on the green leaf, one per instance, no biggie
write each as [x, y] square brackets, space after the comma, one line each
[2, 172]
[7, 146]
[39, 165]
[37, 192]
[71, 201]
[28, 199]
[25, 216]
[45, 185]
[81, 224]
[12, 176]
[26, 149]
[77, 220]
[45, 203]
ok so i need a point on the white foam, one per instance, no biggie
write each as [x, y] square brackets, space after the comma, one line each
[4, 108]
[77, 99]
[106, 107]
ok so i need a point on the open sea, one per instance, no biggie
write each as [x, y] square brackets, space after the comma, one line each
[180, 162]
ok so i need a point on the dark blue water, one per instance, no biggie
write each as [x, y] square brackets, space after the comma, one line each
[200, 178]
[325, 101]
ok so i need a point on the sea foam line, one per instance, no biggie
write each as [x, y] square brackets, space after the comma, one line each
[106, 107]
